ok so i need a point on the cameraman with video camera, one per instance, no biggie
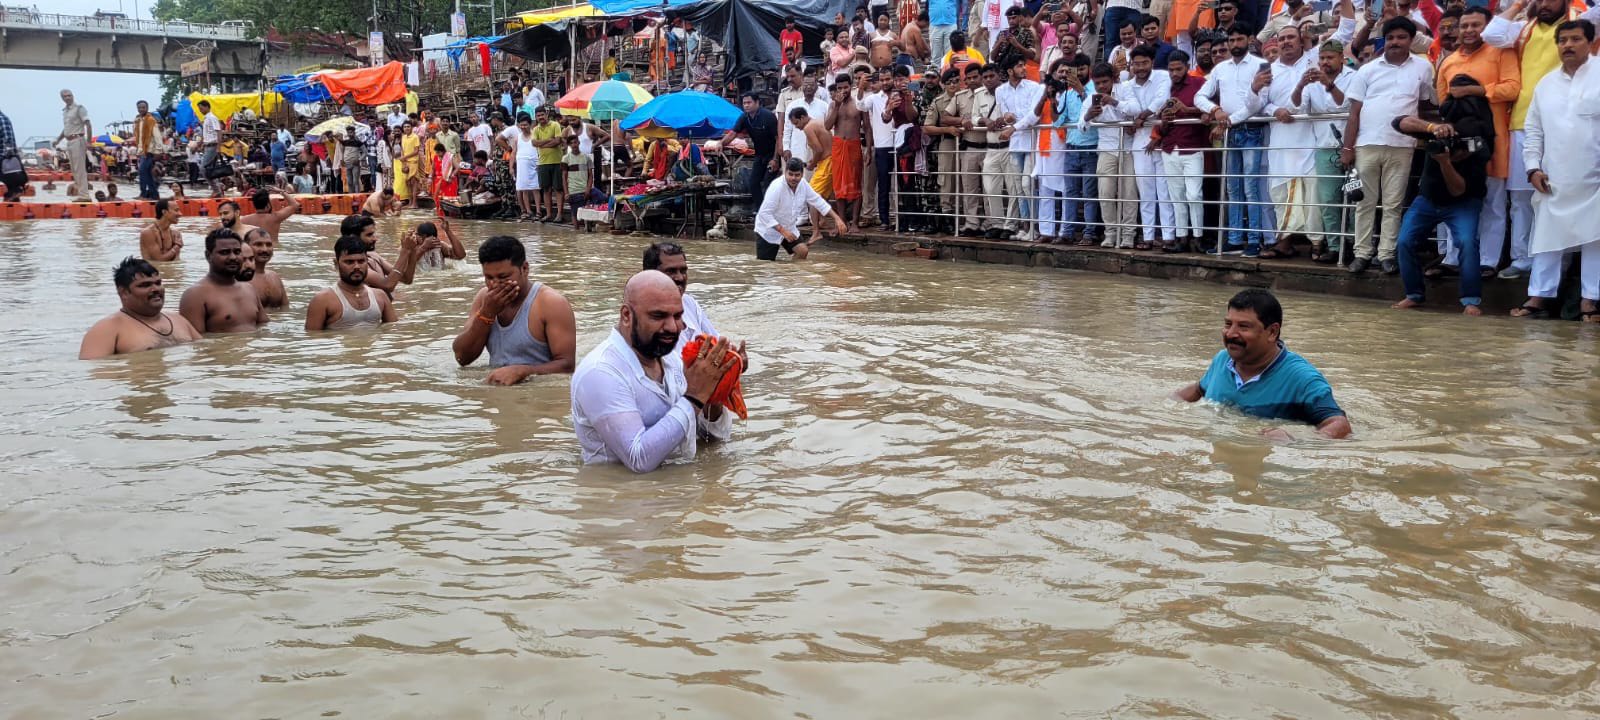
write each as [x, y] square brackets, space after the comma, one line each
[1452, 189]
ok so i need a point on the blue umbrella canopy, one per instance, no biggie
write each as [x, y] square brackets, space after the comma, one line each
[687, 114]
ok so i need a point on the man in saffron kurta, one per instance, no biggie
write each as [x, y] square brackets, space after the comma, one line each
[1499, 79]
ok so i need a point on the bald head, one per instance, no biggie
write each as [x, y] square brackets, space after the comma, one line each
[652, 314]
[649, 285]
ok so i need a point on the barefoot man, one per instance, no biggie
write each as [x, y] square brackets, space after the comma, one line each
[350, 302]
[265, 217]
[781, 209]
[219, 303]
[527, 327]
[141, 324]
[820, 143]
[844, 121]
[268, 283]
[160, 241]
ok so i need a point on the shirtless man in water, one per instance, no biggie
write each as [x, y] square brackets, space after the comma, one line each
[265, 217]
[268, 283]
[382, 274]
[160, 241]
[219, 303]
[141, 324]
[228, 218]
[381, 204]
[844, 121]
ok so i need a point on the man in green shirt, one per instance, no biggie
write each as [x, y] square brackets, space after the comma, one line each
[547, 137]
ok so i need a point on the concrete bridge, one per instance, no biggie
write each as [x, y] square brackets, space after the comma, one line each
[113, 43]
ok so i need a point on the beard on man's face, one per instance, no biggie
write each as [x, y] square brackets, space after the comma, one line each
[656, 346]
[246, 272]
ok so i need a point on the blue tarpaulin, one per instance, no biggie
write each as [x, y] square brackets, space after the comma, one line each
[628, 7]
[454, 50]
[303, 88]
[183, 116]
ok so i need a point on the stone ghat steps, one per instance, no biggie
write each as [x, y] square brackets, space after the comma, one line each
[189, 207]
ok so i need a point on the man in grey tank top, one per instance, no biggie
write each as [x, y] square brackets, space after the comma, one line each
[527, 327]
[350, 302]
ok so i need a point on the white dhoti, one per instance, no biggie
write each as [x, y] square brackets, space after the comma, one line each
[527, 172]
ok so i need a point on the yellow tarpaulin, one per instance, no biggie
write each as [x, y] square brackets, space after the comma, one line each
[540, 17]
[224, 106]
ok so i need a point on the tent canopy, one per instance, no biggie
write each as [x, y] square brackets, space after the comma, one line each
[368, 86]
[303, 88]
[224, 106]
[540, 17]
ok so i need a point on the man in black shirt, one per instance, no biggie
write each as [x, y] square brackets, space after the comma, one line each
[1452, 189]
[761, 127]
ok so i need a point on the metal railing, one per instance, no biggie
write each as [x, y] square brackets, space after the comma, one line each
[1105, 196]
[16, 18]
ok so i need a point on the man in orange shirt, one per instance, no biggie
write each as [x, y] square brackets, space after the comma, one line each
[1499, 77]
[791, 44]
[147, 139]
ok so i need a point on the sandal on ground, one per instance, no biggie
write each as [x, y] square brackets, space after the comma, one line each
[1488, 273]
[1141, 246]
[1531, 312]
[1324, 256]
[1441, 271]
[1589, 316]
[1278, 253]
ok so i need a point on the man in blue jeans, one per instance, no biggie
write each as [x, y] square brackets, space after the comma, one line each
[1232, 94]
[1452, 190]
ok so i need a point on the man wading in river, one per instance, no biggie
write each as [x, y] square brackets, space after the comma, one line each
[160, 241]
[264, 216]
[219, 303]
[633, 402]
[141, 324]
[527, 327]
[268, 283]
[350, 303]
[1258, 375]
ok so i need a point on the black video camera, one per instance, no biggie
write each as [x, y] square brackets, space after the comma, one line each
[1438, 146]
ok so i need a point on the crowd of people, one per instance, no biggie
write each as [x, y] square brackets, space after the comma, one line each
[1345, 131]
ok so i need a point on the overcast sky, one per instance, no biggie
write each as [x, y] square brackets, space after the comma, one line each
[32, 97]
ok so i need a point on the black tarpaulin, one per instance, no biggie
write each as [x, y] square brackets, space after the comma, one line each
[540, 42]
[749, 29]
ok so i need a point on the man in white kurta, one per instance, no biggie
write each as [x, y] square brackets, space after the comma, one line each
[1290, 143]
[632, 400]
[1562, 154]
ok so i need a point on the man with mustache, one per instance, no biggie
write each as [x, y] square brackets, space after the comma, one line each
[633, 401]
[141, 324]
[1258, 375]
[260, 247]
[160, 241]
[1231, 96]
[382, 274]
[228, 217]
[527, 327]
[219, 303]
[1534, 42]
[1563, 159]
[350, 303]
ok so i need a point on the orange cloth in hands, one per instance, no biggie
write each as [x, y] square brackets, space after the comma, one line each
[729, 393]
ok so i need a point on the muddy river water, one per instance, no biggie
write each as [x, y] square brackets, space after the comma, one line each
[961, 492]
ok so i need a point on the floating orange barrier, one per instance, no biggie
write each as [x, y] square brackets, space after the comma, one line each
[348, 204]
[10, 211]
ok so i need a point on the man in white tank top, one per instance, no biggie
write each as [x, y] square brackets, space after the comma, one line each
[350, 302]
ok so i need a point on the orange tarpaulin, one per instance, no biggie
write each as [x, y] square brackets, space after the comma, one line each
[369, 86]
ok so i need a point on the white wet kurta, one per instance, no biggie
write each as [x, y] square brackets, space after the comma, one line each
[1563, 141]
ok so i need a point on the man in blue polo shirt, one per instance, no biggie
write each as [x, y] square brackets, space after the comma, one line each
[1258, 375]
